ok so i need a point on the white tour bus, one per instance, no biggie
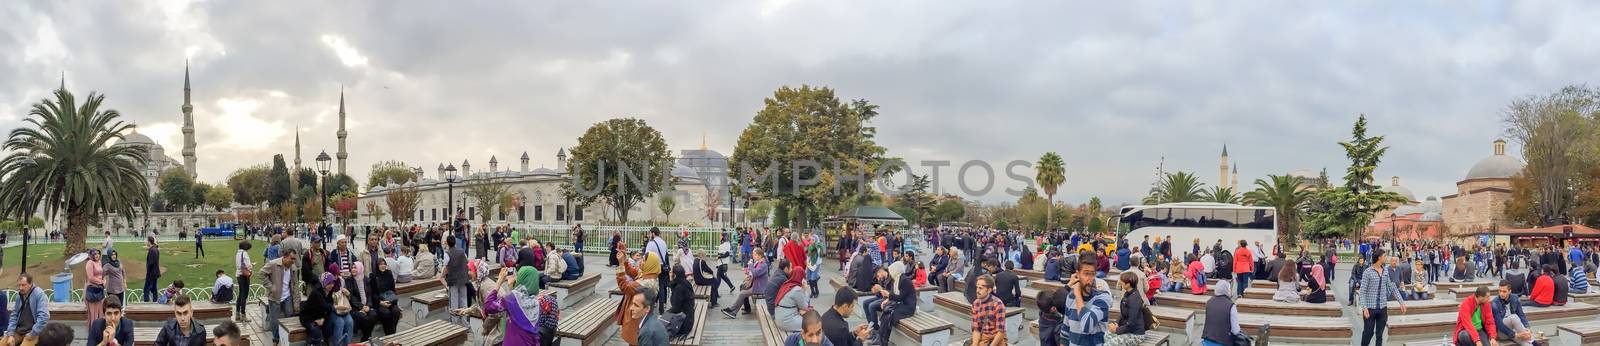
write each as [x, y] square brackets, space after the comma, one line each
[1188, 221]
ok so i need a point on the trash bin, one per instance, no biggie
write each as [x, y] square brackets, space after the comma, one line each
[62, 283]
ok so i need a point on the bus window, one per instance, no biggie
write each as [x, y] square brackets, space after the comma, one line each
[1263, 219]
[1227, 218]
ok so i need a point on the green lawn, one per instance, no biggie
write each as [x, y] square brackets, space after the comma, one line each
[177, 261]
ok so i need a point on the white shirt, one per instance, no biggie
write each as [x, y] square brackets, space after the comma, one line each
[287, 279]
[1208, 262]
[657, 246]
[404, 266]
[241, 260]
[222, 281]
[726, 248]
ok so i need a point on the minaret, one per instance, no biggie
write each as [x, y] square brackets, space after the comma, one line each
[494, 164]
[1223, 176]
[342, 153]
[1235, 182]
[466, 168]
[524, 162]
[1499, 147]
[561, 158]
[294, 176]
[441, 172]
[188, 125]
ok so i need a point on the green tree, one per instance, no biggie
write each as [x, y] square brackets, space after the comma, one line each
[279, 191]
[1560, 138]
[390, 171]
[1353, 204]
[402, 203]
[197, 197]
[1219, 194]
[667, 204]
[780, 215]
[305, 179]
[915, 196]
[1176, 187]
[759, 210]
[489, 193]
[177, 189]
[950, 210]
[250, 184]
[618, 162]
[219, 198]
[341, 184]
[65, 161]
[1289, 195]
[810, 123]
[1050, 174]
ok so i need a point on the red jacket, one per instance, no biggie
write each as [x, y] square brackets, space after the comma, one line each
[1243, 260]
[1464, 319]
[1544, 290]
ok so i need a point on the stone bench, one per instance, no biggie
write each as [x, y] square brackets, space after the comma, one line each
[436, 333]
[146, 336]
[701, 307]
[770, 333]
[1151, 338]
[425, 304]
[1580, 333]
[290, 331]
[1180, 320]
[1446, 286]
[574, 291]
[1439, 323]
[1302, 327]
[925, 330]
[1047, 285]
[1033, 275]
[1431, 306]
[700, 292]
[417, 286]
[1587, 297]
[143, 312]
[588, 324]
[957, 303]
[1254, 306]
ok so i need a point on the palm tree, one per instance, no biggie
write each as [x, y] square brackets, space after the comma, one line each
[1050, 176]
[1288, 194]
[1175, 188]
[1220, 194]
[65, 160]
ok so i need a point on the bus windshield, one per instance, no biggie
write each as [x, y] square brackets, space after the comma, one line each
[1232, 218]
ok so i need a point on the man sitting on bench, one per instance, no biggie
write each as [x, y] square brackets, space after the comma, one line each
[222, 290]
[1510, 321]
[182, 329]
[1474, 320]
[810, 330]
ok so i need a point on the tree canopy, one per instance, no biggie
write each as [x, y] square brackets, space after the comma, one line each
[619, 162]
[810, 124]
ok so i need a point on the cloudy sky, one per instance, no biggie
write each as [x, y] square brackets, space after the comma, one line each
[1112, 86]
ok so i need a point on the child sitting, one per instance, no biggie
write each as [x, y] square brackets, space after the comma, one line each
[171, 291]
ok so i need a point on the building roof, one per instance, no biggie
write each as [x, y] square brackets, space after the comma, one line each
[1495, 167]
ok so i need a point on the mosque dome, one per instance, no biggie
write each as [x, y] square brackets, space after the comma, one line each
[1497, 166]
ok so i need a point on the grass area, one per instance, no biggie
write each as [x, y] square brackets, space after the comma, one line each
[177, 262]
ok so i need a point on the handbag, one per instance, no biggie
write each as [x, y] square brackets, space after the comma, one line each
[94, 293]
[244, 270]
[1149, 317]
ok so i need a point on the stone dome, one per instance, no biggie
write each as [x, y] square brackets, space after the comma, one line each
[136, 138]
[1407, 210]
[681, 171]
[1497, 166]
[1431, 205]
[1305, 173]
[1431, 216]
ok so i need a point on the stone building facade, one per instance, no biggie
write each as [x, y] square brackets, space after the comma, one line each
[1478, 206]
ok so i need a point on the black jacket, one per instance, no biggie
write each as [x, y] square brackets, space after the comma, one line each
[837, 330]
[862, 272]
[318, 305]
[1006, 287]
[1131, 320]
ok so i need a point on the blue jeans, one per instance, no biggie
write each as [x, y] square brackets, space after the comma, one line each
[1242, 281]
[344, 329]
[871, 307]
[275, 311]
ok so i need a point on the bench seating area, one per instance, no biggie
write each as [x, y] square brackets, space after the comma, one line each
[769, 326]
[1306, 327]
[1438, 323]
[838, 284]
[146, 336]
[1586, 297]
[143, 312]
[701, 308]
[1043, 285]
[1581, 333]
[1446, 286]
[957, 303]
[423, 305]
[1254, 306]
[700, 292]
[436, 333]
[1183, 321]
[574, 291]
[289, 331]
[586, 325]
[1151, 338]
[417, 286]
[1031, 275]
[925, 330]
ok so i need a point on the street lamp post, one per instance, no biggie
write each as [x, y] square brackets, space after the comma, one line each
[450, 195]
[322, 167]
[27, 219]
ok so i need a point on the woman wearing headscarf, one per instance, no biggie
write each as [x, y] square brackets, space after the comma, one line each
[360, 311]
[343, 326]
[116, 279]
[385, 307]
[679, 317]
[94, 291]
[530, 317]
[1318, 286]
[316, 310]
[793, 301]
[629, 281]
